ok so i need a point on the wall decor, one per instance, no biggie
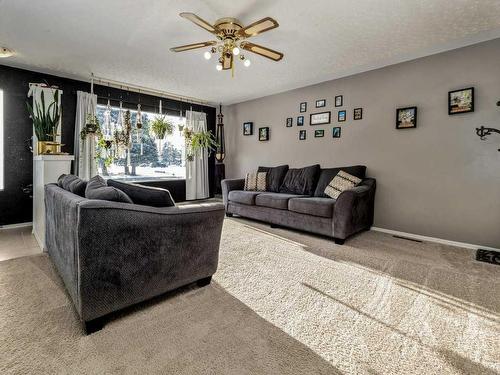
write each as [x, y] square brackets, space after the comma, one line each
[342, 116]
[320, 103]
[336, 132]
[289, 122]
[357, 114]
[303, 107]
[248, 128]
[300, 121]
[406, 118]
[319, 133]
[461, 101]
[339, 101]
[264, 134]
[320, 118]
[302, 135]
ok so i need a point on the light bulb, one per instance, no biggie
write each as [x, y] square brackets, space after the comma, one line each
[247, 63]
[236, 51]
[218, 67]
[207, 55]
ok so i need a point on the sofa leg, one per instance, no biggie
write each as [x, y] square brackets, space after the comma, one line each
[204, 282]
[92, 326]
[229, 214]
[339, 241]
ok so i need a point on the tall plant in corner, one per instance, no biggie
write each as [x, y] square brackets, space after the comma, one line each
[45, 120]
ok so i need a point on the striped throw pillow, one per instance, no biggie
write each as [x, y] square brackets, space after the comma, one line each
[255, 181]
[341, 182]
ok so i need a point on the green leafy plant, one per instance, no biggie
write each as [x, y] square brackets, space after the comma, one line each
[197, 141]
[45, 120]
[161, 127]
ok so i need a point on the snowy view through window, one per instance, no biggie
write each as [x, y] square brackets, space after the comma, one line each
[163, 159]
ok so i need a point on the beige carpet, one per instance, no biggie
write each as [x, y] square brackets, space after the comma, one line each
[282, 302]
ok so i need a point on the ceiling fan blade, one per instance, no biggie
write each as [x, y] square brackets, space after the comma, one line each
[263, 51]
[198, 21]
[188, 47]
[227, 63]
[258, 27]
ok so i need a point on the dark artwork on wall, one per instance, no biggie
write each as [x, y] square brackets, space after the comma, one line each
[320, 118]
[320, 103]
[342, 116]
[248, 128]
[461, 101]
[289, 122]
[303, 107]
[357, 113]
[300, 121]
[406, 118]
[339, 101]
[264, 134]
[336, 132]
[302, 135]
[319, 133]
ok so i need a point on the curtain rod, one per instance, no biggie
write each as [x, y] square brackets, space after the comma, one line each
[144, 90]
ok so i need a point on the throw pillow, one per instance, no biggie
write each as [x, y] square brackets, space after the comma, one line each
[255, 181]
[327, 174]
[144, 195]
[67, 180]
[97, 188]
[78, 186]
[275, 176]
[60, 179]
[300, 181]
[341, 182]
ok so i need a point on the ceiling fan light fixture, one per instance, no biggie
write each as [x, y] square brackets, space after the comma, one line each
[218, 67]
[247, 63]
[236, 51]
[207, 55]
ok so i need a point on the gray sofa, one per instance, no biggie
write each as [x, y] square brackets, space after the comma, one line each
[111, 255]
[340, 218]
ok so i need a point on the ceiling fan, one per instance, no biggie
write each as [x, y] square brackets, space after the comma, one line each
[231, 37]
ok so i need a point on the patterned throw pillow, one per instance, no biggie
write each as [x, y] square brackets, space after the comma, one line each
[341, 182]
[255, 181]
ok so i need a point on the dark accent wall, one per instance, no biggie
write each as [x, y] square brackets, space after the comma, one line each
[16, 206]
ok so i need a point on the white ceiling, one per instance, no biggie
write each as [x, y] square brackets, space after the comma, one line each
[129, 41]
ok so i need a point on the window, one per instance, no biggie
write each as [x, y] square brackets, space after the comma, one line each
[1, 140]
[153, 159]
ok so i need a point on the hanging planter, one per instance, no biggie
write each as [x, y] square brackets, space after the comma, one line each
[197, 142]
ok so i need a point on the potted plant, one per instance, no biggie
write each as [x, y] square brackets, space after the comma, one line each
[198, 141]
[45, 123]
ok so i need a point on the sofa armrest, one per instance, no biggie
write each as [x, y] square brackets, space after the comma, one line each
[129, 253]
[228, 185]
[354, 209]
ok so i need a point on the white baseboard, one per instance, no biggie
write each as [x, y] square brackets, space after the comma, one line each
[434, 239]
[13, 226]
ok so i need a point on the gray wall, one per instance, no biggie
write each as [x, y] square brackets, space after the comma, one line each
[437, 180]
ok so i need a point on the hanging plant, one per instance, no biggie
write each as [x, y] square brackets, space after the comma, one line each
[45, 120]
[198, 141]
[92, 126]
[161, 127]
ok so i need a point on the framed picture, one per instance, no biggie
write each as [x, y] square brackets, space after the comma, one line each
[320, 103]
[320, 118]
[248, 128]
[342, 116]
[303, 107]
[336, 132]
[461, 101]
[289, 122]
[319, 133]
[357, 114]
[300, 121]
[339, 101]
[406, 118]
[264, 134]
[302, 135]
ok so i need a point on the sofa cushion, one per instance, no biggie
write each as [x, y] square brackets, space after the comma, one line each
[275, 176]
[300, 180]
[275, 200]
[144, 195]
[255, 181]
[315, 206]
[72, 183]
[341, 182]
[97, 188]
[243, 197]
[327, 174]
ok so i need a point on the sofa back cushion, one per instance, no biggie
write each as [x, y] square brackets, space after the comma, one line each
[255, 181]
[144, 195]
[274, 177]
[301, 181]
[97, 188]
[73, 184]
[327, 174]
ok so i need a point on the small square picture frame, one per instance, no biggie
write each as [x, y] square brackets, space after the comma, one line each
[320, 103]
[303, 107]
[302, 135]
[300, 121]
[336, 132]
[319, 133]
[406, 118]
[289, 122]
[342, 115]
[248, 128]
[264, 134]
[357, 114]
[339, 101]
[461, 101]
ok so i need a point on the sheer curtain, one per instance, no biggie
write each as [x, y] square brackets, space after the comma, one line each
[197, 170]
[85, 164]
